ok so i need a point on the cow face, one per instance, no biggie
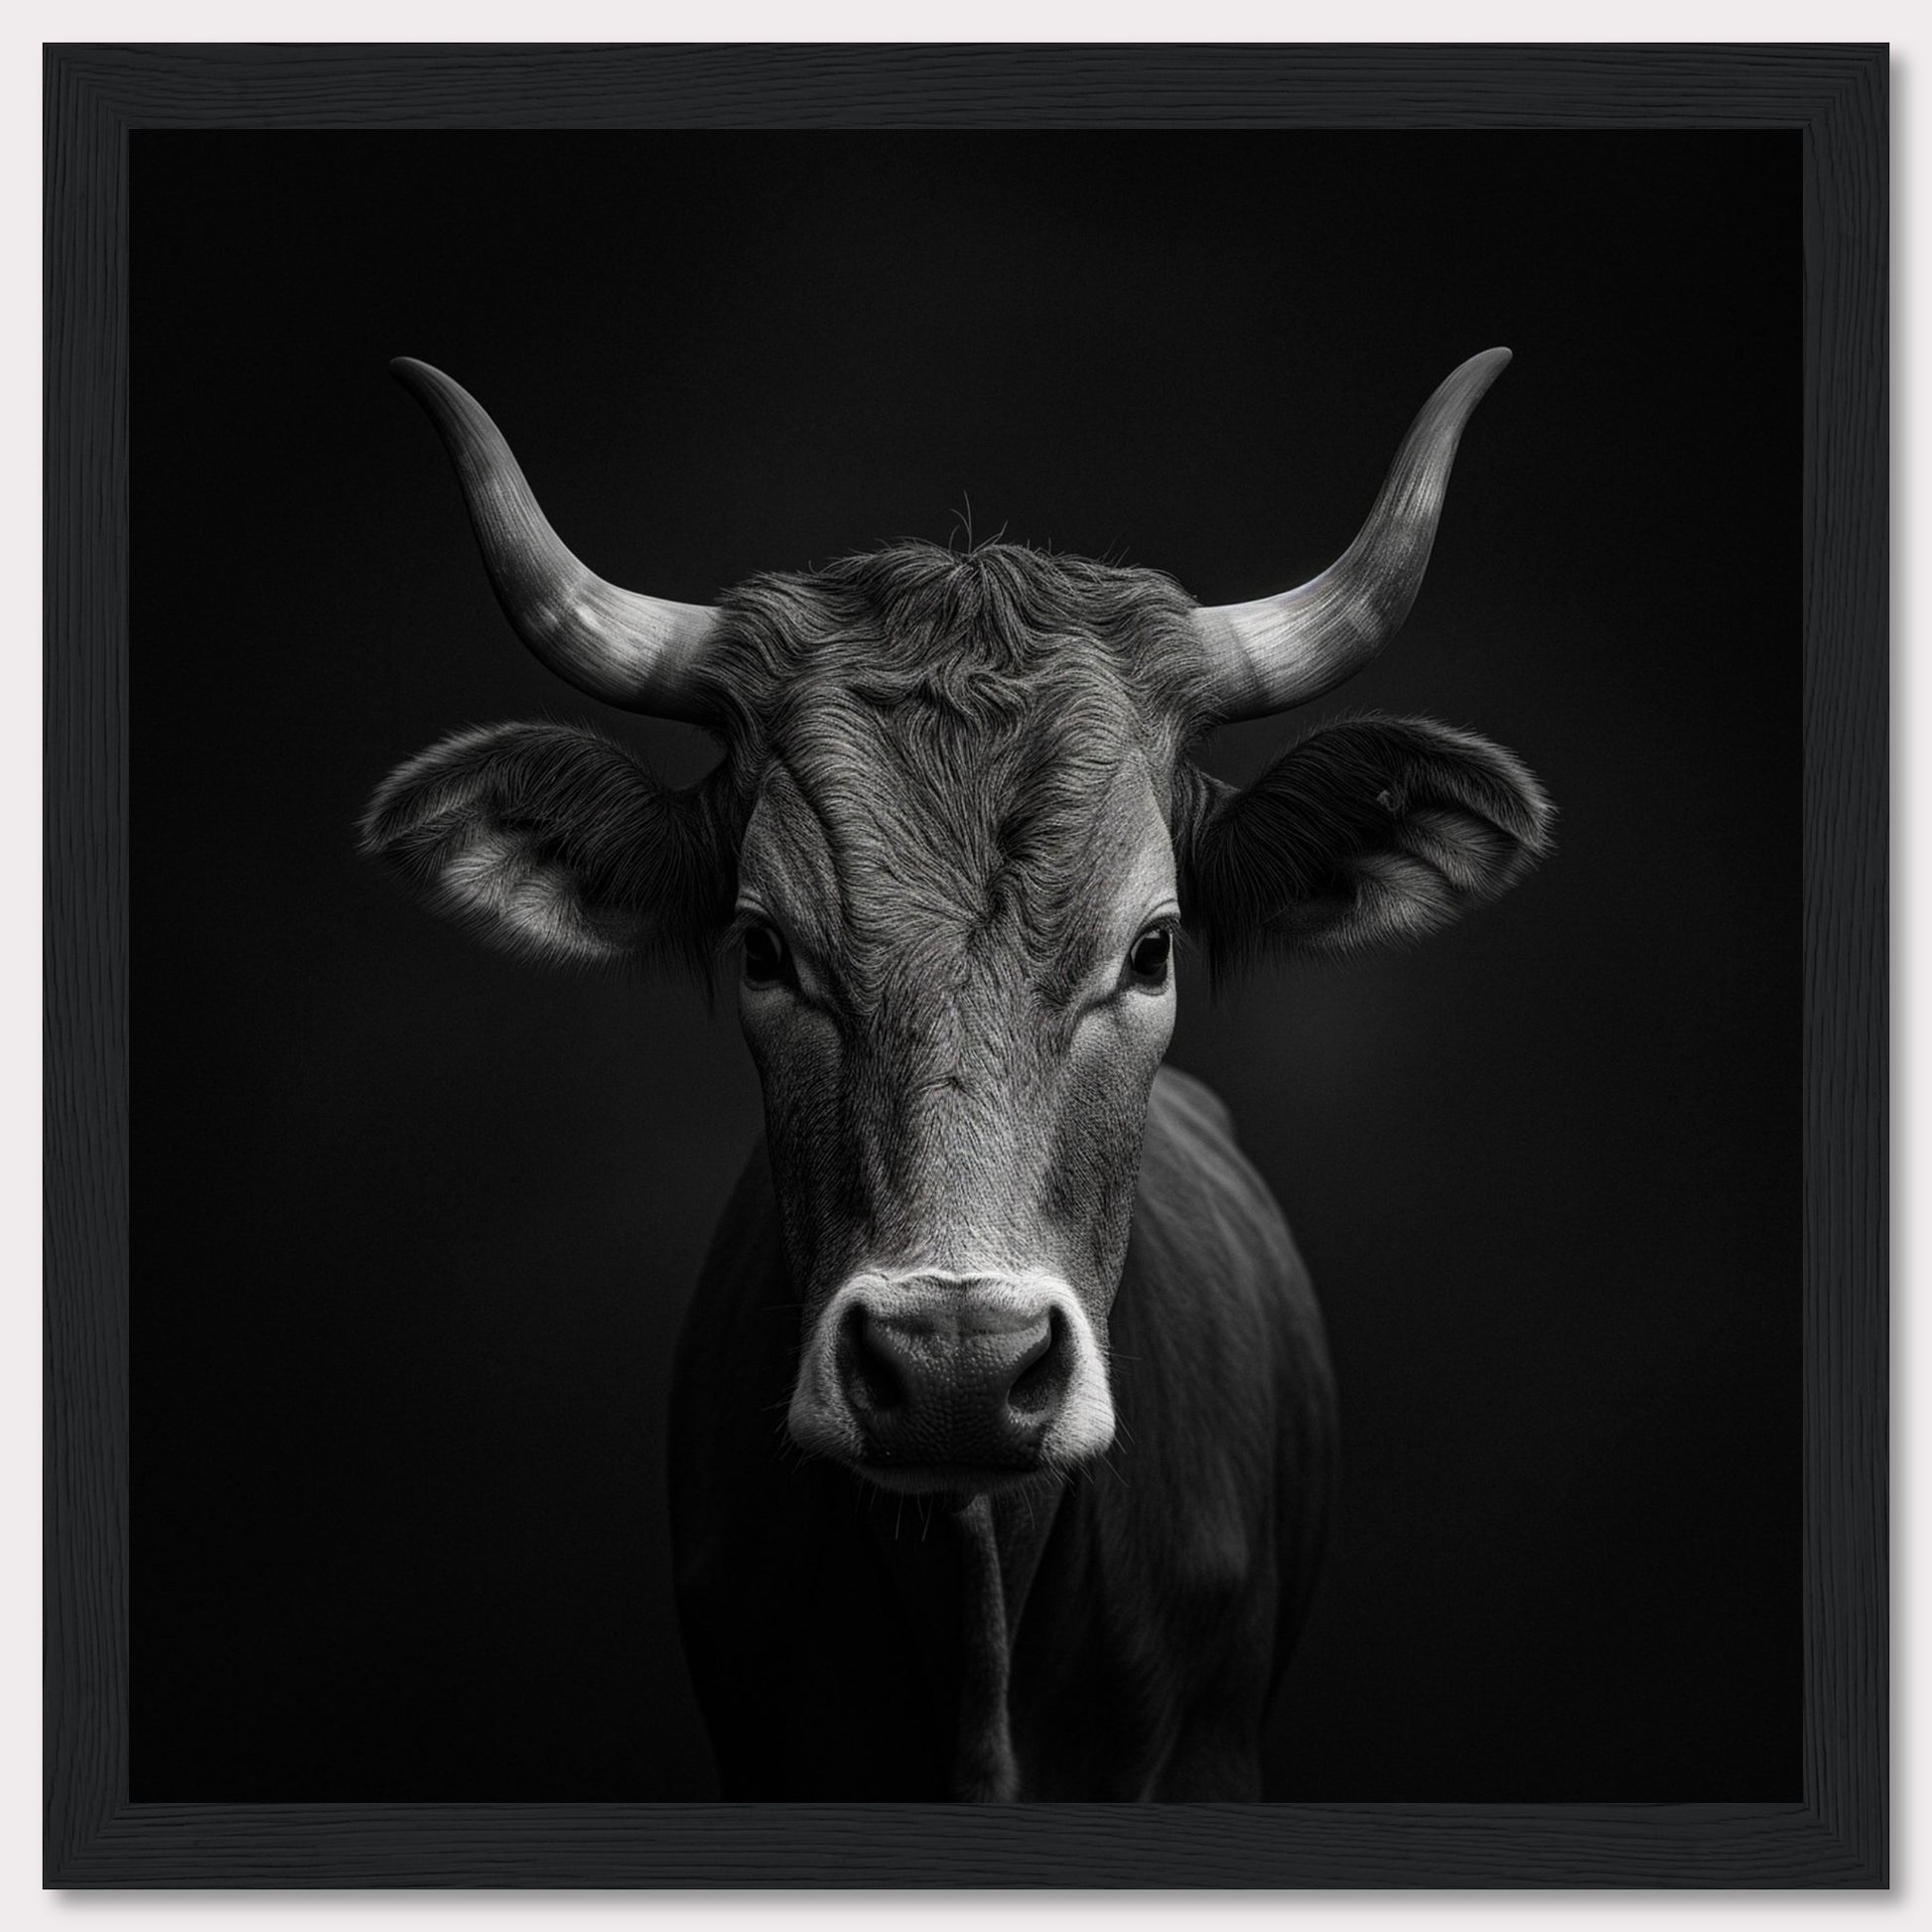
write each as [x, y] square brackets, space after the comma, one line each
[954, 835]
[957, 900]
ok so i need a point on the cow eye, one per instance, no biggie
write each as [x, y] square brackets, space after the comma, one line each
[764, 956]
[1147, 960]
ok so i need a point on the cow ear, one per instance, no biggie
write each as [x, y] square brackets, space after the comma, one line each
[1367, 831]
[555, 843]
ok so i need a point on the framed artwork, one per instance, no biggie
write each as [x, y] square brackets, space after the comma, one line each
[371, 1246]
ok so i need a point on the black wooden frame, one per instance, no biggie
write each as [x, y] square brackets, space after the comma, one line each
[1836, 1836]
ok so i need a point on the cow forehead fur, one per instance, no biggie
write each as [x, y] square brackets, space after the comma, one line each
[957, 728]
[977, 635]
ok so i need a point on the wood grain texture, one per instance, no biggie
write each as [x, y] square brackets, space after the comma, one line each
[94, 97]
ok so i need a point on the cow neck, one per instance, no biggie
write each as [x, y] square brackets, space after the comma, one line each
[966, 1592]
[983, 1770]
[999, 1543]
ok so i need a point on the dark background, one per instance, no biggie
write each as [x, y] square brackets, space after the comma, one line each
[415, 1225]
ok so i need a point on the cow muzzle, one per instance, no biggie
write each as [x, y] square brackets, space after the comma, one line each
[934, 1381]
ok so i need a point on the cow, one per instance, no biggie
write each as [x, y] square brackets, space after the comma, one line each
[1001, 1432]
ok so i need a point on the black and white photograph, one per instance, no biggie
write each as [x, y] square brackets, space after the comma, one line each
[966, 966]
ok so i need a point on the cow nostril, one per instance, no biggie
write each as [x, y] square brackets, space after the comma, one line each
[1043, 1369]
[872, 1377]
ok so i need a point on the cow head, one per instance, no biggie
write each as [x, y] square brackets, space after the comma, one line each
[955, 833]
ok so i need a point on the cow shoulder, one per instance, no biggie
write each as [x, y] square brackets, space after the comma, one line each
[1221, 1357]
[1173, 1584]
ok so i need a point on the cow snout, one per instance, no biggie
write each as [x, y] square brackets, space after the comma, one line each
[931, 1381]
[947, 1380]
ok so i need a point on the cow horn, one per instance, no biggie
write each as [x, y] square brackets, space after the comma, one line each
[1285, 651]
[639, 652]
